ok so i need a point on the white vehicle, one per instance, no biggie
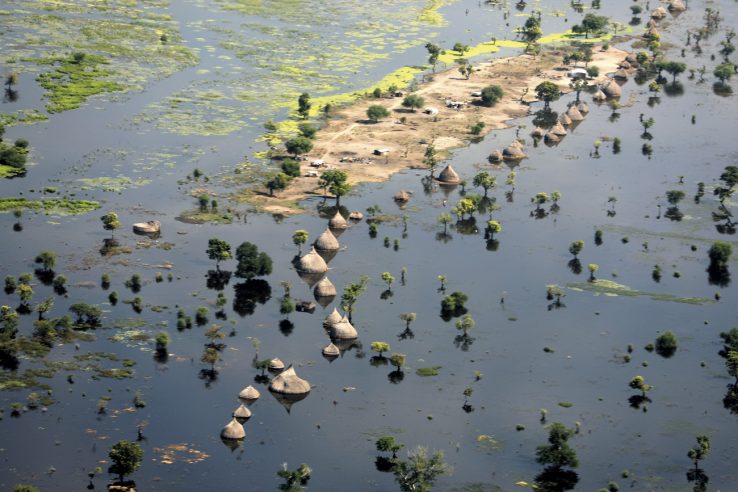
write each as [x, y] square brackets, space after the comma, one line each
[317, 163]
[477, 94]
[311, 174]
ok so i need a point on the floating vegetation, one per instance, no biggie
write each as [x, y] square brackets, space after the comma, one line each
[614, 289]
[22, 117]
[197, 216]
[51, 206]
[427, 371]
[174, 453]
[116, 184]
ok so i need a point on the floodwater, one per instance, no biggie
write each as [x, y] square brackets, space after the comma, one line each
[354, 401]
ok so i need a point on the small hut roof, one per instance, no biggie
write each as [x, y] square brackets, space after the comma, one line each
[621, 74]
[538, 132]
[234, 430]
[632, 58]
[343, 330]
[242, 412]
[249, 393]
[337, 221]
[564, 119]
[495, 156]
[331, 350]
[402, 196]
[449, 175]
[324, 288]
[312, 262]
[599, 95]
[327, 241]
[583, 107]
[332, 319]
[558, 129]
[552, 138]
[658, 13]
[574, 114]
[356, 215]
[677, 6]
[613, 89]
[289, 383]
[276, 364]
[513, 152]
[625, 65]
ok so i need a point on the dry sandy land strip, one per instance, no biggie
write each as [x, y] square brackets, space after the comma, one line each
[348, 134]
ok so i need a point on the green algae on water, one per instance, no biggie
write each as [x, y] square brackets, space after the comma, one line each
[50, 206]
[614, 289]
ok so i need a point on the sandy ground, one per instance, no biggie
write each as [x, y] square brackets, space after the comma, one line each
[348, 133]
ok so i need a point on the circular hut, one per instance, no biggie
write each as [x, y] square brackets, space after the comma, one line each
[343, 330]
[612, 90]
[276, 364]
[551, 138]
[564, 119]
[249, 393]
[312, 263]
[234, 430]
[513, 152]
[558, 129]
[332, 319]
[327, 241]
[449, 176]
[574, 114]
[538, 132]
[658, 13]
[242, 413]
[495, 156]
[289, 383]
[677, 6]
[331, 350]
[402, 197]
[356, 215]
[337, 222]
[583, 107]
[621, 75]
[598, 96]
[324, 288]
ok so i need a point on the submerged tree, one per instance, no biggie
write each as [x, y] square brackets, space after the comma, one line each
[294, 480]
[251, 262]
[547, 92]
[110, 222]
[558, 456]
[218, 250]
[126, 458]
[419, 472]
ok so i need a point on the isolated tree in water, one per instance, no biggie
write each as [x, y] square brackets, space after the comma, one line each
[126, 458]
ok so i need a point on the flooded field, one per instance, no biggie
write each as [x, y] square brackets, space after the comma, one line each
[168, 103]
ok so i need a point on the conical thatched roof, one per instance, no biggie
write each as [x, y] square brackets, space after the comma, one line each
[327, 241]
[402, 196]
[288, 383]
[574, 114]
[625, 65]
[621, 74]
[658, 13]
[331, 350]
[276, 364]
[332, 319]
[632, 59]
[538, 132]
[612, 89]
[652, 33]
[552, 138]
[583, 107]
[249, 393]
[598, 96]
[564, 119]
[449, 175]
[343, 330]
[495, 156]
[234, 430]
[338, 222]
[312, 262]
[650, 23]
[324, 288]
[558, 129]
[513, 152]
[356, 215]
[677, 6]
[242, 412]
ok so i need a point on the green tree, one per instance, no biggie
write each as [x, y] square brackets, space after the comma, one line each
[724, 72]
[299, 145]
[210, 356]
[294, 480]
[461, 48]
[592, 267]
[429, 159]
[307, 130]
[25, 488]
[388, 279]
[87, 314]
[532, 29]
[578, 86]
[547, 91]
[408, 318]
[413, 101]
[454, 302]
[162, 340]
[434, 52]
[44, 307]
[47, 259]
[388, 444]
[303, 105]
[25, 293]
[576, 247]
[251, 262]
[218, 250]
[110, 221]
[336, 181]
[398, 360]
[639, 383]
[674, 196]
[300, 237]
[485, 180]
[729, 178]
[719, 254]
[278, 181]
[491, 95]
[445, 219]
[291, 168]
[557, 453]
[493, 227]
[380, 347]
[731, 364]
[126, 458]
[465, 324]
[376, 112]
[352, 292]
[675, 68]
[591, 24]
[700, 450]
[419, 472]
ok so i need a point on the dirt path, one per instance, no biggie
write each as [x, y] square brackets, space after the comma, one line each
[348, 136]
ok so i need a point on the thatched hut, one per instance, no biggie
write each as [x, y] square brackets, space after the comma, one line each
[449, 176]
[513, 152]
[327, 241]
[343, 330]
[276, 364]
[612, 90]
[598, 96]
[242, 413]
[564, 119]
[356, 215]
[551, 138]
[624, 65]
[332, 319]
[147, 228]
[658, 13]
[249, 393]
[234, 430]
[574, 114]
[402, 197]
[621, 75]
[677, 6]
[632, 59]
[558, 129]
[583, 107]
[289, 383]
[495, 156]
[337, 222]
[538, 132]
[312, 263]
[331, 350]
[324, 288]
[652, 33]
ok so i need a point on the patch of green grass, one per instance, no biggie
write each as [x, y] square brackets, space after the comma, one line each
[197, 216]
[566, 404]
[10, 172]
[22, 117]
[427, 371]
[614, 289]
[51, 206]
[116, 184]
